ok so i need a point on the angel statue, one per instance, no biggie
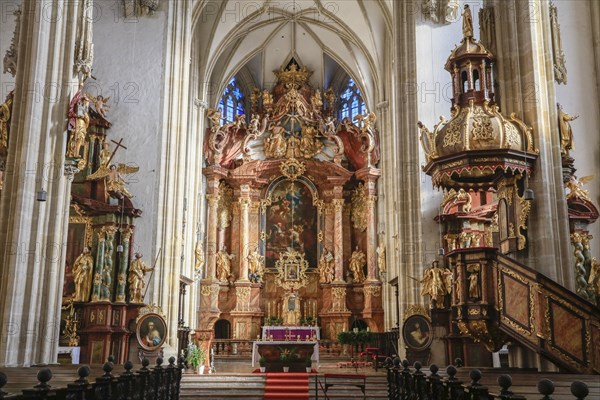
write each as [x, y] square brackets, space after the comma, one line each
[115, 182]
[437, 282]
[576, 187]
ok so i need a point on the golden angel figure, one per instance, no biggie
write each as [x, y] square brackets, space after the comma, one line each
[82, 275]
[437, 282]
[137, 270]
[214, 116]
[576, 187]
[115, 182]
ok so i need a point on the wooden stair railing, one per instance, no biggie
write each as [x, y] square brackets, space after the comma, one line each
[507, 299]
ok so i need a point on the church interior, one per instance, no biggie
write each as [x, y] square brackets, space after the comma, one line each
[341, 184]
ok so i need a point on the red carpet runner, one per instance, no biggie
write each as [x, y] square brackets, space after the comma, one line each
[286, 385]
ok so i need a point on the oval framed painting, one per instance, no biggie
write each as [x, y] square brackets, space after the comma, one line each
[151, 330]
[417, 332]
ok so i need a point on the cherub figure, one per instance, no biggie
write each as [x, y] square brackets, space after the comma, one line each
[100, 104]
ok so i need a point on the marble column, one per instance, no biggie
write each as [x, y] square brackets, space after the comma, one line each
[33, 233]
[338, 248]
[244, 249]
[123, 265]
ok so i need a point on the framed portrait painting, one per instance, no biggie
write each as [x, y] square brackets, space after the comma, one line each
[151, 331]
[417, 332]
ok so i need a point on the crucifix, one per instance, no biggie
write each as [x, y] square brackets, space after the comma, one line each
[115, 150]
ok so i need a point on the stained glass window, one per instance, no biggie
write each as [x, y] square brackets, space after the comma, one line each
[351, 101]
[232, 102]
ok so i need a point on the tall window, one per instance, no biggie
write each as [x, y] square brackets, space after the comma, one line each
[351, 101]
[232, 102]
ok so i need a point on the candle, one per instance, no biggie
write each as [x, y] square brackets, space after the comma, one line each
[268, 309]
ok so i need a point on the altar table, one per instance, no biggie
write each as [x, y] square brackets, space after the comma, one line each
[285, 344]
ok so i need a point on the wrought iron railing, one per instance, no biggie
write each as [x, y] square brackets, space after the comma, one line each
[155, 383]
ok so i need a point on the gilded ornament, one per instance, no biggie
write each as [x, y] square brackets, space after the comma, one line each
[482, 125]
[454, 132]
[358, 261]
[359, 208]
[437, 283]
[292, 169]
[576, 190]
[82, 275]
[326, 267]
[291, 270]
[224, 265]
[256, 267]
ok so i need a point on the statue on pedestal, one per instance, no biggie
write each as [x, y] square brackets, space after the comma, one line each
[326, 267]
[467, 25]
[566, 133]
[358, 260]
[137, 270]
[224, 265]
[79, 121]
[256, 268]
[82, 275]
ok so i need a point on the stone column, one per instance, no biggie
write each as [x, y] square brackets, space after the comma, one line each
[404, 169]
[33, 233]
[527, 88]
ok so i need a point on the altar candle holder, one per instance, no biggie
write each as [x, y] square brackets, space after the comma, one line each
[297, 338]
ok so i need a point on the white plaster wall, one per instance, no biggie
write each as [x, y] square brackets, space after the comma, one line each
[580, 96]
[128, 65]
[7, 28]
[434, 95]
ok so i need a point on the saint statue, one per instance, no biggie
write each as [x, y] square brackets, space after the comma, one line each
[224, 265]
[78, 124]
[474, 285]
[358, 260]
[137, 269]
[381, 258]
[437, 282]
[256, 268]
[275, 146]
[326, 267]
[82, 275]
[566, 133]
[5, 112]
[199, 256]
[467, 25]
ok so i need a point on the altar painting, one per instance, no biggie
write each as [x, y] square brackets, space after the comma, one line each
[291, 223]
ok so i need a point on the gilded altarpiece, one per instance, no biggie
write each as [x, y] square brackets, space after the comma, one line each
[284, 178]
[99, 310]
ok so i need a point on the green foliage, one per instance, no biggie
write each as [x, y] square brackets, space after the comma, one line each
[273, 321]
[288, 356]
[195, 355]
[351, 337]
[308, 362]
[262, 361]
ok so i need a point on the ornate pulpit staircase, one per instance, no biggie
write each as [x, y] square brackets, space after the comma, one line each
[520, 304]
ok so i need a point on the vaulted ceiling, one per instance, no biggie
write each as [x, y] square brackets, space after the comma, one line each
[257, 37]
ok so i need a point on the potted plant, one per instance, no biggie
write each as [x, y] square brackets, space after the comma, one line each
[262, 361]
[196, 357]
[287, 356]
[308, 364]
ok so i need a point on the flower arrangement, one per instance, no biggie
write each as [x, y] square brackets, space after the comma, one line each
[273, 321]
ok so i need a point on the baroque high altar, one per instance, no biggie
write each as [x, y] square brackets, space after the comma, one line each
[291, 218]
